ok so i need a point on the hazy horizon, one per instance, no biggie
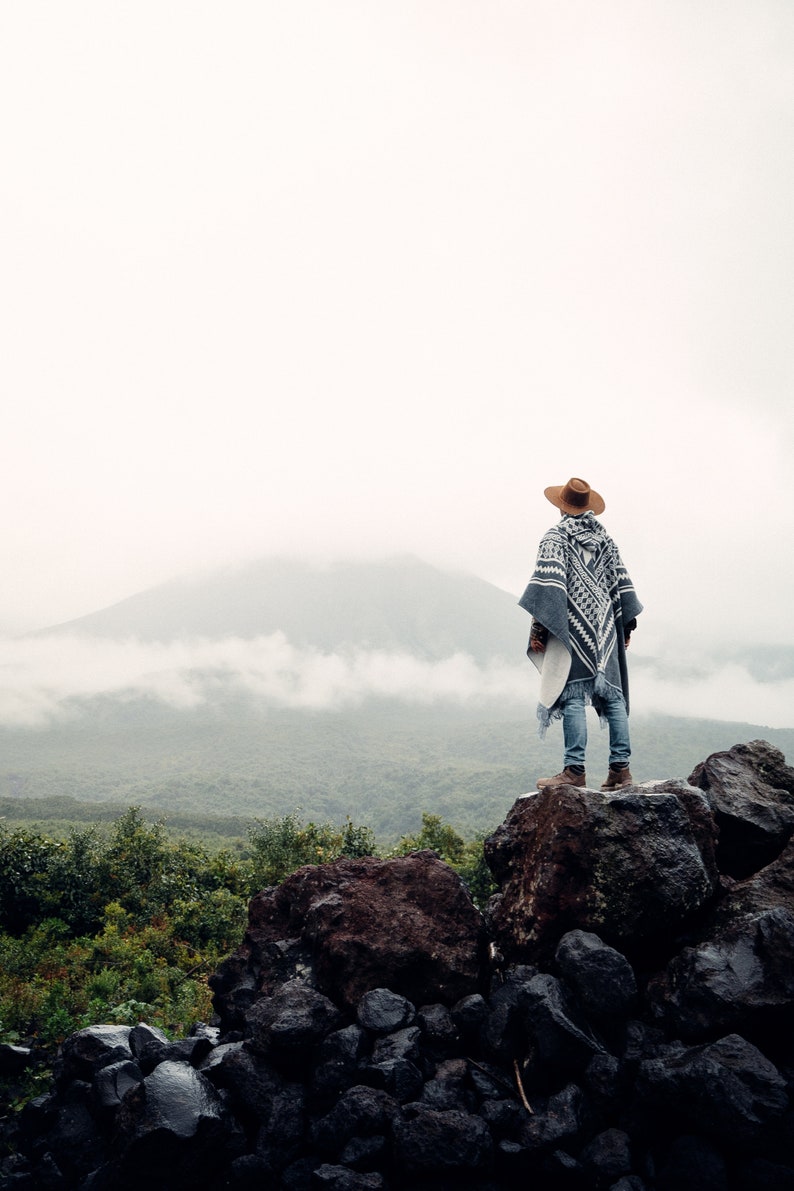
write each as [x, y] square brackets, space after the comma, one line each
[51, 677]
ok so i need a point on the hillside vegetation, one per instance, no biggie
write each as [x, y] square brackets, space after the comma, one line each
[382, 764]
[121, 922]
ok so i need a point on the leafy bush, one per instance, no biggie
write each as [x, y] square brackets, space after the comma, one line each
[24, 863]
[280, 846]
[118, 923]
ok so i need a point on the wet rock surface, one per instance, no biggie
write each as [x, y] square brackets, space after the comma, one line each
[750, 790]
[407, 925]
[629, 867]
[606, 1046]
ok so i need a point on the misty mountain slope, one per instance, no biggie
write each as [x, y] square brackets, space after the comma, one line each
[382, 764]
[401, 605]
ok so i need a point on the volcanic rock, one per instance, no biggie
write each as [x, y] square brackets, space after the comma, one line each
[291, 1022]
[741, 978]
[173, 1119]
[629, 867]
[602, 978]
[608, 1156]
[632, 1028]
[406, 924]
[383, 1011]
[750, 789]
[729, 1087]
[433, 1142]
[83, 1053]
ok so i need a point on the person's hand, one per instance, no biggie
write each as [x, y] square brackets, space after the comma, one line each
[537, 646]
[627, 641]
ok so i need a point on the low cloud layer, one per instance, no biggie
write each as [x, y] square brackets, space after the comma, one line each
[45, 679]
[42, 677]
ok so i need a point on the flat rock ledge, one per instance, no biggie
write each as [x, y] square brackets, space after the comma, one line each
[620, 1018]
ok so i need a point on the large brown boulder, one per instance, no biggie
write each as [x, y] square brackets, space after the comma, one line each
[406, 924]
[631, 867]
[750, 790]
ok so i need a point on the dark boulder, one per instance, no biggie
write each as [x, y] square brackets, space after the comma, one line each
[337, 1060]
[728, 1087]
[740, 978]
[291, 1022]
[607, 1156]
[433, 1142]
[503, 1031]
[440, 1034]
[468, 1014]
[249, 1083]
[447, 1087]
[282, 1125]
[394, 1064]
[74, 1144]
[112, 1083]
[606, 1082]
[83, 1053]
[406, 924]
[770, 889]
[144, 1035]
[172, 1105]
[382, 1011]
[750, 789]
[736, 973]
[559, 1036]
[401, 1078]
[402, 1044]
[556, 1122]
[602, 978]
[366, 1153]
[361, 1112]
[629, 867]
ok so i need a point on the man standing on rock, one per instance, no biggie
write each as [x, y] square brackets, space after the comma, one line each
[584, 609]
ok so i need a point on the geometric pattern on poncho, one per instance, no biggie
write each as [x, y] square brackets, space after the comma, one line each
[582, 593]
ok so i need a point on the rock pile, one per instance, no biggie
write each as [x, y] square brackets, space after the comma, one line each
[621, 1018]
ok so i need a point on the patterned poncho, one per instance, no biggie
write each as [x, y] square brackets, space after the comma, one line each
[581, 592]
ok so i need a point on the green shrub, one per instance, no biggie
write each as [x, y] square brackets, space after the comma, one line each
[437, 835]
[280, 846]
[121, 923]
[24, 867]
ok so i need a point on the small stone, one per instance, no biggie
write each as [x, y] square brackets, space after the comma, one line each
[383, 1011]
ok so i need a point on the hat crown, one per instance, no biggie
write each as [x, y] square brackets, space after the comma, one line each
[577, 493]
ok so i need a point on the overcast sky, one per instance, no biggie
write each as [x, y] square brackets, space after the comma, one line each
[356, 277]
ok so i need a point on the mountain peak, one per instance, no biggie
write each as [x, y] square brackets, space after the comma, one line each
[396, 604]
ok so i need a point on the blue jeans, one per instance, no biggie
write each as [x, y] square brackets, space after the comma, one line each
[574, 729]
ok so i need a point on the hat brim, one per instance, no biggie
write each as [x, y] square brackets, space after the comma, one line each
[595, 504]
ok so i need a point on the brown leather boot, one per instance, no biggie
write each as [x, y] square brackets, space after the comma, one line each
[616, 778]
[566, 778]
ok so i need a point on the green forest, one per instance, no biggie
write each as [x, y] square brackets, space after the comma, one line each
[383, 764]
[124, 921]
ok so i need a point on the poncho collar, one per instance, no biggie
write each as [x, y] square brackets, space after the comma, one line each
[584, 530]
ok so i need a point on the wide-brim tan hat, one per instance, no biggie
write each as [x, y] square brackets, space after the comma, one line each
[575, 497]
